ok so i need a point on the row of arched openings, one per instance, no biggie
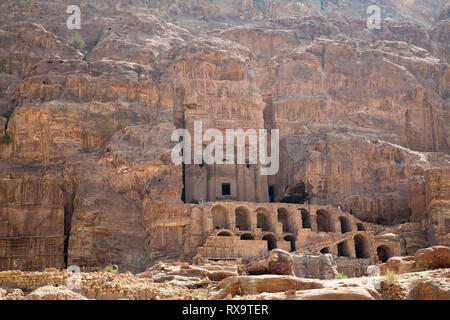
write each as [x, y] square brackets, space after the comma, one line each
[270, 238]
[384, 252]
[220, 219]
[323, 218]
[325, 223]
[343, 248]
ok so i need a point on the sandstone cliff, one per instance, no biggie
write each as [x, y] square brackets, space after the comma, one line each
[85, 171]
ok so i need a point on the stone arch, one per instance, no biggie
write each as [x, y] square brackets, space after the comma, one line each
[345, 224]
[271, 241]
[361, 247]
[224, 233]
[343, 249]
[306, 219]
[384, 252]
[220, 217]
[247, 236]
[292, 240]
[360, 227]
[323, 219]
[262, 219]
[283, 217]
[242, 218]
[325, 250]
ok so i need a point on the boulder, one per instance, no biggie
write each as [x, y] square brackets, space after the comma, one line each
[2, 293]
[373, 271]
[54, 293]
[436, 289]
[176, 280]
[188, 274]
[356, 293]
[251, 285]
[15, 294]
[398, 265]
[220, 275]
[315, 267]
[425, 259]
[276, 262]
[432, 258]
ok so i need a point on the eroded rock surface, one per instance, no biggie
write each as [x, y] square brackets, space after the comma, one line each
[424, 259]
[86, 175]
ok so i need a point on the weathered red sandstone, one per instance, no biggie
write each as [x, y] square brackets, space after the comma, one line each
[424, 259]
[86, 176]
[277, 262]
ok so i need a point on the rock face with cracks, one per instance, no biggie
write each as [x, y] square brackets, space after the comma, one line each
[86, 175]
[424, 259]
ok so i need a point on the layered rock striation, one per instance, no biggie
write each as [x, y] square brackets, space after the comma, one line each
[86, 175]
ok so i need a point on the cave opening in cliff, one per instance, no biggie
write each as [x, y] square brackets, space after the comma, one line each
[361, 247]
[296, 194]
[283, 218]
[291, 239]
[68, 213]
[343, 249]
[345, 225]
[323, 220]
[220, 217]
[271, 190]
[261, 219]
[242, 218]
[271, 241]
[306, 219]
[384, 253]
[324, 250]
[183, 192]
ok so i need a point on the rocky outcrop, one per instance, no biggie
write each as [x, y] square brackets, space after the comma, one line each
[188, 275]
[54, 293]
[14, 294]
[437, 184]
[315, 267]
[430, 290]
[53, 285]
[251, 285]
[277, 262]
[356, 293]
[354, 267]
[22, 46]
[424, 259]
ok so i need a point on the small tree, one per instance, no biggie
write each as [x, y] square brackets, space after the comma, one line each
[6, 139]
[6, 115]
[77, 41]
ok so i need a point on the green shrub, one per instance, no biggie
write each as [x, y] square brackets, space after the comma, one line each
[77, 41]
[390, 276]
[6, 115]
[341, 275]
[6, 139]
[109, 268]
